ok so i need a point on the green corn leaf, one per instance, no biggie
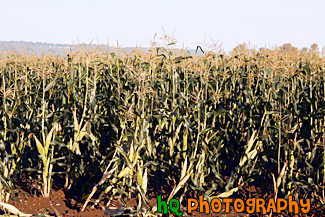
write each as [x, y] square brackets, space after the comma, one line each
[40, 147]
[251, 143]
[82, 133]
[49, 139]
[226, 194]
[52, 83]
[139, 175]
[179, 185]
[145, 180]
[126, 171]
[184, 169]
[75, 121]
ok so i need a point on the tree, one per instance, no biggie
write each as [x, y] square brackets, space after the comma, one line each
[314, 47]
[288, 48]
[241, 48]
[304, 50]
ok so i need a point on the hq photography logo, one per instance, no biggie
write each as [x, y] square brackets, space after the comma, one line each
[250, 206]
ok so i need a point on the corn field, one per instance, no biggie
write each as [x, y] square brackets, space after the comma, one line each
[139, 123]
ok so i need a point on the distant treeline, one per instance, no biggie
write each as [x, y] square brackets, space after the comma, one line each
[39, 48]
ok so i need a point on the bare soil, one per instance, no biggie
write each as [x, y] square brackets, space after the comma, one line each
[61, 203]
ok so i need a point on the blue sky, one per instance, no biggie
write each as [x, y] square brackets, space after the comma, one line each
[134, 23]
